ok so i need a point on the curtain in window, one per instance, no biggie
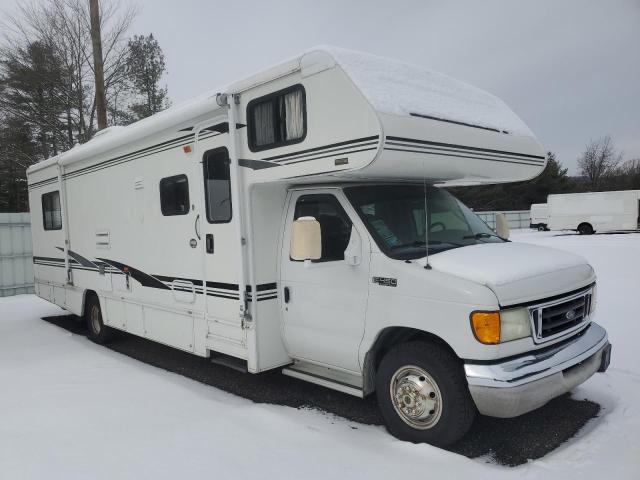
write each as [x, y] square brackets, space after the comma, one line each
[264, 128]
[293, 115]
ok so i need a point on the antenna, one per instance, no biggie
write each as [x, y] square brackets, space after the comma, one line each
[426, 221]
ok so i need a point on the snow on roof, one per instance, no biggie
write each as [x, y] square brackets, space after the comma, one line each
[399, 88]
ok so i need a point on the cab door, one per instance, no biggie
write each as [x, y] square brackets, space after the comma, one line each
[324, 301]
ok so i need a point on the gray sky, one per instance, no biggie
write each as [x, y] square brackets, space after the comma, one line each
[569, 69]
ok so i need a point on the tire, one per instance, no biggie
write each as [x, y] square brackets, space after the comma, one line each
[97, 331]
[541, 228]
[436, 407]
[585, 229]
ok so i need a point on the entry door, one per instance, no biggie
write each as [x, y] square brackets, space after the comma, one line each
[325, 301]
[221, 246]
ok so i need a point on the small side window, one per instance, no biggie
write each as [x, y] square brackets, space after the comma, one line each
[174, 195]
[277, 119]
[335, 225]
[51, 213]
[217, 185]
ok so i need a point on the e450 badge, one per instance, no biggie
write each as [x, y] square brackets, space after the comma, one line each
[385, 281]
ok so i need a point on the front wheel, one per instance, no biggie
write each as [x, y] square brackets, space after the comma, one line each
[423, 395]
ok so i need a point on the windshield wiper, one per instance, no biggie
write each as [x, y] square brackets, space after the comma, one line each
[422, 243]
[480, 235]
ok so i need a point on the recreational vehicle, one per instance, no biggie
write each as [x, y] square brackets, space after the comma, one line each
[589, 212]
[539, 216]
[296, 220]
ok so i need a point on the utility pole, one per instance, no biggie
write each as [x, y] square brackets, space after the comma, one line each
[98, 66]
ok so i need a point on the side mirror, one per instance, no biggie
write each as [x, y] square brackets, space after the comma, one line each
[353, 252]
[502, 226]
[306, 239]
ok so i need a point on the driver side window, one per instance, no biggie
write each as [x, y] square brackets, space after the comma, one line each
[335, 226]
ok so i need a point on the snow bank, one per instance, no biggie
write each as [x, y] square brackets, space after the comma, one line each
[399, 88]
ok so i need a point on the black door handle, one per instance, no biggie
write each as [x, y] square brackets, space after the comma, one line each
[209, 241]
[287, 294]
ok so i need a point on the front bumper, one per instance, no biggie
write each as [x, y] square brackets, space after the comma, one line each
[519, 385]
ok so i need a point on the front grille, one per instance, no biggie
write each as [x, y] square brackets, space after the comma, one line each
[561, 317]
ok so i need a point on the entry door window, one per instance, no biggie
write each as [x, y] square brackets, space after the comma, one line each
[335, 226]
[217, 185]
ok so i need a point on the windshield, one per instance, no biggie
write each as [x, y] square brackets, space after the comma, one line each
[395, 217]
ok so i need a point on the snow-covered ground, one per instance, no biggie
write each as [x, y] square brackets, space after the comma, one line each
[71, 409]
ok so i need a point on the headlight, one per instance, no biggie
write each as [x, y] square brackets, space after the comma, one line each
[515, 323]
[498, 327]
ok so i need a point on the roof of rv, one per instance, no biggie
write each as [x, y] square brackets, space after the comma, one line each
[400, 88]
[390, 86]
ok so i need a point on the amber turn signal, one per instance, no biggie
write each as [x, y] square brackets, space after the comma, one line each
[486, 327]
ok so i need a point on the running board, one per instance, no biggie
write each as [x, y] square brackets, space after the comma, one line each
[323, 381]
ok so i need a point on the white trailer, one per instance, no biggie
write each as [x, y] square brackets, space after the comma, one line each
[539, 216]
[595, 211]
[292, 220]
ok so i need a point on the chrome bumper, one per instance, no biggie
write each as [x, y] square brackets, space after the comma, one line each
[519, 385]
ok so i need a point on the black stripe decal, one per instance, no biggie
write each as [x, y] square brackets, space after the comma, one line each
[79, 258]
[256, 164]
[263, 286]
[431, 150]
[523, 162]
[330, 155]
[338, 151]
[323, 147]
[464, 147]
[144, 279]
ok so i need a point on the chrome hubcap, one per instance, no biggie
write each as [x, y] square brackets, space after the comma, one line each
[95, 319]
[416, 397]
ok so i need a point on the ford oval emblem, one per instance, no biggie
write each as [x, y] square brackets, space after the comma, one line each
[570, 315]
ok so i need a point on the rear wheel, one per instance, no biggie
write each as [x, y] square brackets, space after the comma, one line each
[585, 229]
[541, 228]
[423, 395]
[98, 332]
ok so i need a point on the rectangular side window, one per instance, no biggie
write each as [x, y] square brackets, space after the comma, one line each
[174, 195]
[335, 225]
[277, 119]
[217, 185]
[51, 213]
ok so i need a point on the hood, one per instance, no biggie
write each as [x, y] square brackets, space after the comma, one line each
[516, 272]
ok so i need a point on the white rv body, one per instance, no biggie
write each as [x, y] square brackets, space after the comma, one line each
[595, 211]
[180, 277]
[539, 216]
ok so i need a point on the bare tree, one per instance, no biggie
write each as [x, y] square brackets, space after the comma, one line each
[65, 25]
[598, 162]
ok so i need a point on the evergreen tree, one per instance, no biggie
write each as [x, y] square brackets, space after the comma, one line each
[145, 67]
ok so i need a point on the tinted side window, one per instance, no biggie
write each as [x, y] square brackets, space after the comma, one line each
[174, 195]
[217, 185]
[335, 226]
[277, 119]
[51, 214]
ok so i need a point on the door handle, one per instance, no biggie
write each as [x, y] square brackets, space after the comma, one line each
[287, 294]
[209, 242]
[196, 226]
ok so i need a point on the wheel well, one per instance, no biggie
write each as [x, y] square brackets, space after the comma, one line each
[389, 338]
[87, 294]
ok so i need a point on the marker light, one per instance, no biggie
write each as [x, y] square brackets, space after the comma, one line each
[186, 149]
[486, 327]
